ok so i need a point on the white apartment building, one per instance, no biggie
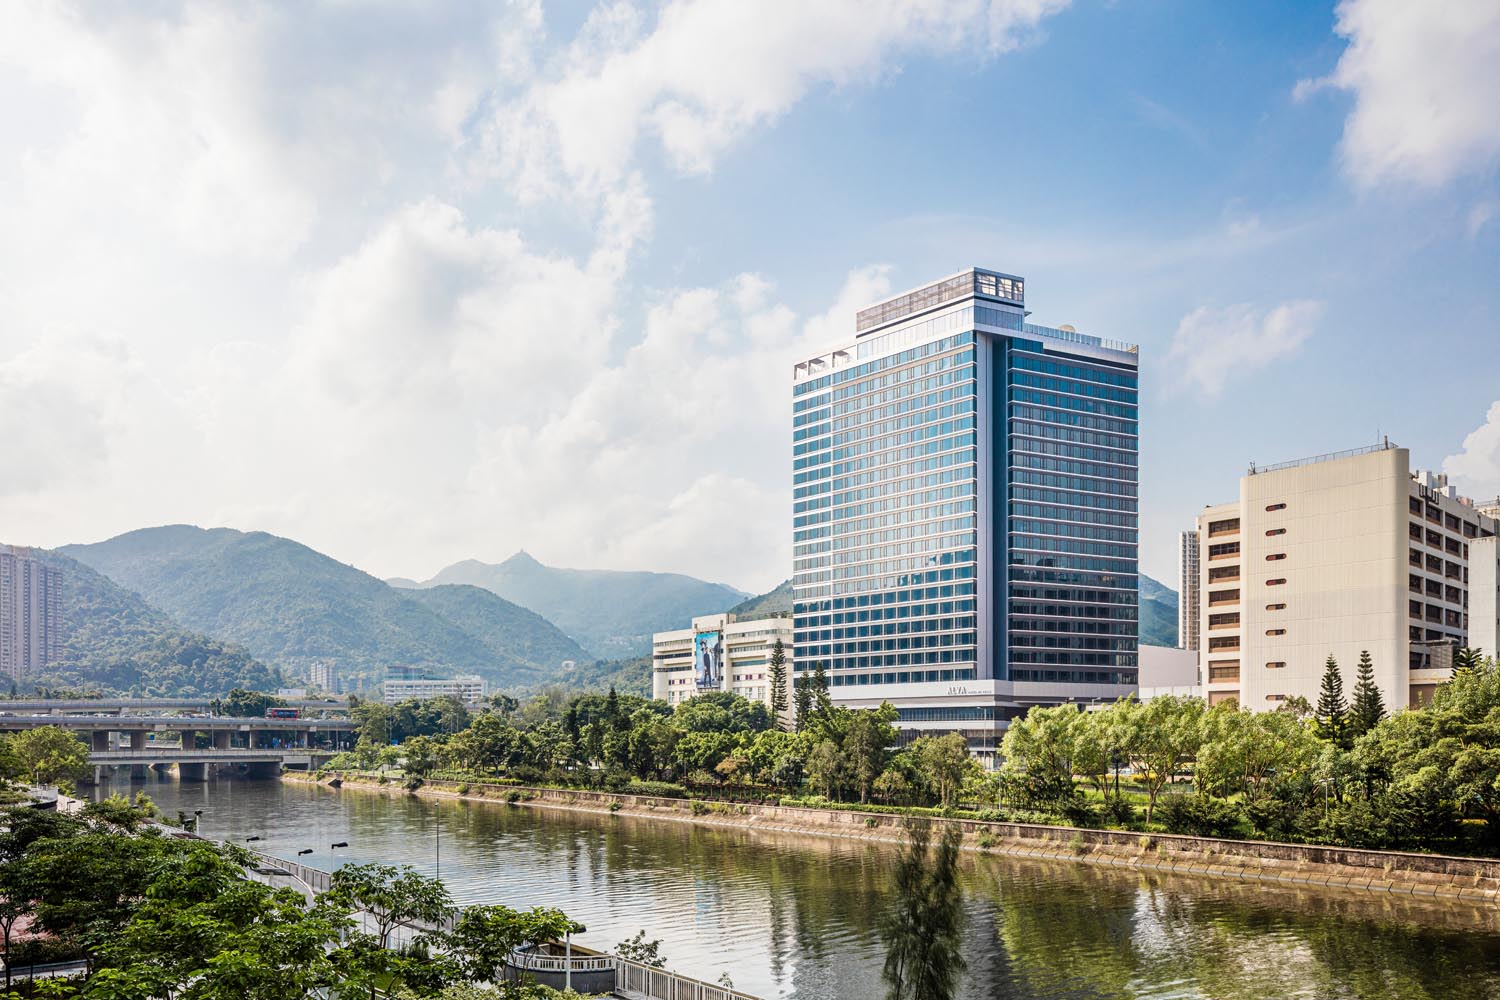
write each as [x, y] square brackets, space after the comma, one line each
[719, 653]
[469, 688]
[1335, 555]
[30, 613]
[1188, 590]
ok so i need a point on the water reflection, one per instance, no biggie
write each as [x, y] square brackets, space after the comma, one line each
[790, 916]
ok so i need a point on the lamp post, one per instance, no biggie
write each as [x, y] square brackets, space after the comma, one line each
[198, 822]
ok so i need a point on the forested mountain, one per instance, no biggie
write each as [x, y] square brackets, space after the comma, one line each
[526, 644]
[290, 605]
[115, 642]
[1158, 613]
[610, 612]
[770, 604]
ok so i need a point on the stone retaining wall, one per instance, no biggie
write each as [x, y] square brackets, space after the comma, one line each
[1435, 875]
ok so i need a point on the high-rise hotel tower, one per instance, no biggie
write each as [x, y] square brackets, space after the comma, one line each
[965, 511]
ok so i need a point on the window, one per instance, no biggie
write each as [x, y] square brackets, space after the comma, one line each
[1276, 665]
[1275, 531]
[1224, 550]
[1225, 642]
[1275, 506]
[1275, 607]
[1275, 697]
[1275, 556]
[1223, 597]
[1228, 527]
[1227, 670]
[1277, 582]
[1275, 631]
[1223, 573]
[1224, 620]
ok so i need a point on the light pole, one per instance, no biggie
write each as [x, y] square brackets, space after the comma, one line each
[198, 822]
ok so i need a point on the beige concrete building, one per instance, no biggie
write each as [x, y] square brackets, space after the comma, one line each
[720, 654]
[30, 613]
[1335, 555]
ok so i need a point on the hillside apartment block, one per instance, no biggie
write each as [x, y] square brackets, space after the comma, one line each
[1335, 555]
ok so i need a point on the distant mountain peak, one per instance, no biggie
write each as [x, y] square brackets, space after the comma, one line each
[521, 560]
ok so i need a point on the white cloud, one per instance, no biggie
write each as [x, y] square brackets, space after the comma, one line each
[1476, 468]
[709, 70]
[256, 270]
[1425, 79]
[1211, 345]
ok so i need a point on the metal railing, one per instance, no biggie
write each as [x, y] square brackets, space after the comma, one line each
[1370, 449]
[635, 980]
[531, 961]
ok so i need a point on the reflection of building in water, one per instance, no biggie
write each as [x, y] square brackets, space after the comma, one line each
[731, 655]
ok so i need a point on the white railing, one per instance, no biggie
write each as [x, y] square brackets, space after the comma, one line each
[530, 961]
[636, 981]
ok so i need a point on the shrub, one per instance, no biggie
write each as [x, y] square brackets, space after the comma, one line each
[512, 796]
[412, 784]
[1198, 816]
[617, 781]
[661, 789]
[700, 808]
[463, 789]
[1076, 844]
[871, 821]
[987, 840]
[1077, 812]
[1119, 811]
[614, 807]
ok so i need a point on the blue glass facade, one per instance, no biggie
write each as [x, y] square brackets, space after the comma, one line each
[965, 500]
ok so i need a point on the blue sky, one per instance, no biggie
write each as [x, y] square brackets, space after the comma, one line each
[413, 288]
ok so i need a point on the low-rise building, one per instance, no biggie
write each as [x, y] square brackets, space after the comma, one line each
[469, 688]
[1169, 670]
[1334, 556]
[720, 653]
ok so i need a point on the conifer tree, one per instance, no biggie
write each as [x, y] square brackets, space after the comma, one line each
[1368, 707]
[1332, 714]
[1466, 660]
[804, 695]
[820, 687]
[778, 684]
[923, 929]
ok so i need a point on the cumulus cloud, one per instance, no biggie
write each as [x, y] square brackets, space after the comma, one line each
[1211, 345]
[366, 276]
[707, 71]
[1424, 77]
[1476, 467]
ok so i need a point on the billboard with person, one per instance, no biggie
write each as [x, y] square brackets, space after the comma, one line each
[708, 660]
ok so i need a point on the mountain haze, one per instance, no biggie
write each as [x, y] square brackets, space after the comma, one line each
[290, 605]
[612, 613]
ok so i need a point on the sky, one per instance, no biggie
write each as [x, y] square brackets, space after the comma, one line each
[415, 283]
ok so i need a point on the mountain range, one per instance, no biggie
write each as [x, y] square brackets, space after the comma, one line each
[291, 605]
[185, 609]
[612, 613]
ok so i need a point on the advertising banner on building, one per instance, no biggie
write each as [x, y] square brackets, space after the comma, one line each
[708, 660]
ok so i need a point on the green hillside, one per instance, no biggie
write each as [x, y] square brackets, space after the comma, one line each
[522, 641]
[290, 605]
[767, 605]
[114, 642]
[611, 613]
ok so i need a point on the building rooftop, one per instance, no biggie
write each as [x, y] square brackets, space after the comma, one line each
[973, 282]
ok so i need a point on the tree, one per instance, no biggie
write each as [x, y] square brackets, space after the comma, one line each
[1040, 747]
[50, 755]
[1368, 707]
[1161, 735]
[1332, 714]
[778, 684]
[243, 704]
[483, 937]
[637, 949]
[393, 896]
[804, 702]
[1466, 660]
[944, 761]
[822, 700]
[827, 768]
[923, 927]
[864, 746]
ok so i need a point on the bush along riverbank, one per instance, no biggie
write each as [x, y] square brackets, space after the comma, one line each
[1341, 774]
[1473, 880]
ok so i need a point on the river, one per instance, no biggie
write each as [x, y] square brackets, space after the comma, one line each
[796, 917]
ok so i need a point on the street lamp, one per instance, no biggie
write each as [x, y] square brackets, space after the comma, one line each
[198, 822]
[305, 851]
[251, 840]
[342, 843]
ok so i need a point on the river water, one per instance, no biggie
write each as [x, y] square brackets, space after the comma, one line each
[793, 916]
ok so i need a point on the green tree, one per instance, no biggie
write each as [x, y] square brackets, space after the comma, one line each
[1332, 715]
[50, 755]
[923, 926]
[1466, 660]
[637, 949]
[1039, 748]
[393, 896]
[802, 690]
[827, 768]
[243, 704]
[865, 746]
[822, 700]
[1161, 735]
[1368, 707]
[778, 684]
[944, 761]
[483, 937]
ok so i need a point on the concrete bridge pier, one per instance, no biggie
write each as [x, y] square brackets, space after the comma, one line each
[263, 769]
[140, 772]
[222, 738]
[100, 740]
[137, 739]
[192, 772]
